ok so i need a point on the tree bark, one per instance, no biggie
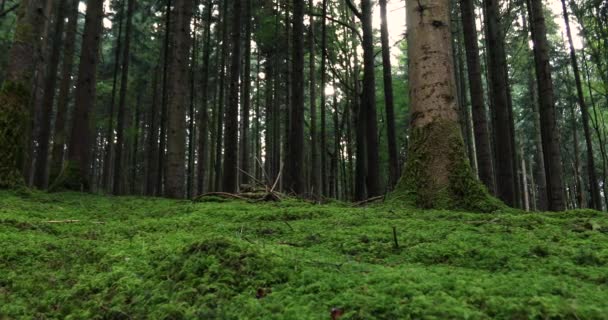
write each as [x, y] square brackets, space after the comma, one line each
[203, 121]
[549, 130]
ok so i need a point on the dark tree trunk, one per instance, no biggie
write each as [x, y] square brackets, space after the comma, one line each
[244, 145]
[549, 130]
[178, 93]
[480, 122]
[122, 101]
[107, 164]
[230, 177]
[368, 101]
[152, 148]
[59, 137]
[505, 176]
[315, 165]
[393, 158]
[596, 201]
[323, 146]
[41, 173]
[163, 111]
[203, 122]
[220, 103]
[80, 142]
[295, 158]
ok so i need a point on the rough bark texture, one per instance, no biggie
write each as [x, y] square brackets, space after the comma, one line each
[315, 165]
[178, 100]
[549, 130]
[294, 181]
[245, 156]
[230, 177]
[480, 122]
[79, 156]
[437, 172]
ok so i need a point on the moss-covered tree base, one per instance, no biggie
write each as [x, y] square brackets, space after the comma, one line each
[13, 130]
[438, 175]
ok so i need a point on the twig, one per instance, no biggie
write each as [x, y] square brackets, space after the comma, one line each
[252, 177]
[366, 201]
[220, 194]
[395, 237]
[277, 179]
[287, 223]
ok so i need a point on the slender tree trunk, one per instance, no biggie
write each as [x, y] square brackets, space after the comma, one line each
[178, 93]
[230, 177]
[107, 164]
[221, 95]
[323, 146]
[59, 137]
[393, 159]
[122, 101]
[203, 122]
[315, 165]
[596, 201]
[79, 155]
[152, 149]
[295, 158]
[244, 146]
[163, 113]
[42, 164]
[192, 115]
[549, 130]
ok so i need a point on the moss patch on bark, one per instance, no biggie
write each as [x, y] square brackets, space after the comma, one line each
[438, 174]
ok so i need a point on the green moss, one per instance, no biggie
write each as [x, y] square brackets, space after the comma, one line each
[149, 258]
[437, 173]
[13, 130]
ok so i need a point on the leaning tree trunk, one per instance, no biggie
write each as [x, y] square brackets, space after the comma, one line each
[549, 130]
[437, 172]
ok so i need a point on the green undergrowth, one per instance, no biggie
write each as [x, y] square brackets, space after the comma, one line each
[148, 258]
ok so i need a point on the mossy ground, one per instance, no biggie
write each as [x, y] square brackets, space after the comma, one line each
[137, 258]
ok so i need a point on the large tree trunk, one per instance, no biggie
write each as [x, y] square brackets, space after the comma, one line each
[505, 176]
[79, 155]
[152, 147]
[393, 159]
[294, 172]
[549, 130]
[596, 201]
[220, 101]
[437, 173]
[230, 177]
[178, 94]
[323, 133]
[480, 122]
[42, 164]
[122, 100]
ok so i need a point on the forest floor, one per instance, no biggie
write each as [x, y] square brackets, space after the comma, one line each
[79, 256]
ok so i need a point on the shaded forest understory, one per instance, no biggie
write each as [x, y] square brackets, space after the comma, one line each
[131, 258]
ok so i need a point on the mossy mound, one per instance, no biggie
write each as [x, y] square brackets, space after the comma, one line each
[438, 175]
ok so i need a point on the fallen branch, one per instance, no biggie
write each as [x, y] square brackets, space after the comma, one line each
[220, 194]
[366, 201]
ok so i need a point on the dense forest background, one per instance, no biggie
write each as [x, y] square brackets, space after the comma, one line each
[178, 98]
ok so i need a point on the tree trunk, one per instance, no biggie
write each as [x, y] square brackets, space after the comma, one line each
[122, 101]
[152, 148]
[315, 165]
[59, 136]
[393, 159]
[294, 181]
[220, 103]
[203, 121]
[323, 146]
[42, 164]
[437, 173]
[230, 177]
[178, 94]
[79, 155]
[596, 201]
[505, 176]
[246, 83]
[368, 101]
[549, 130]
